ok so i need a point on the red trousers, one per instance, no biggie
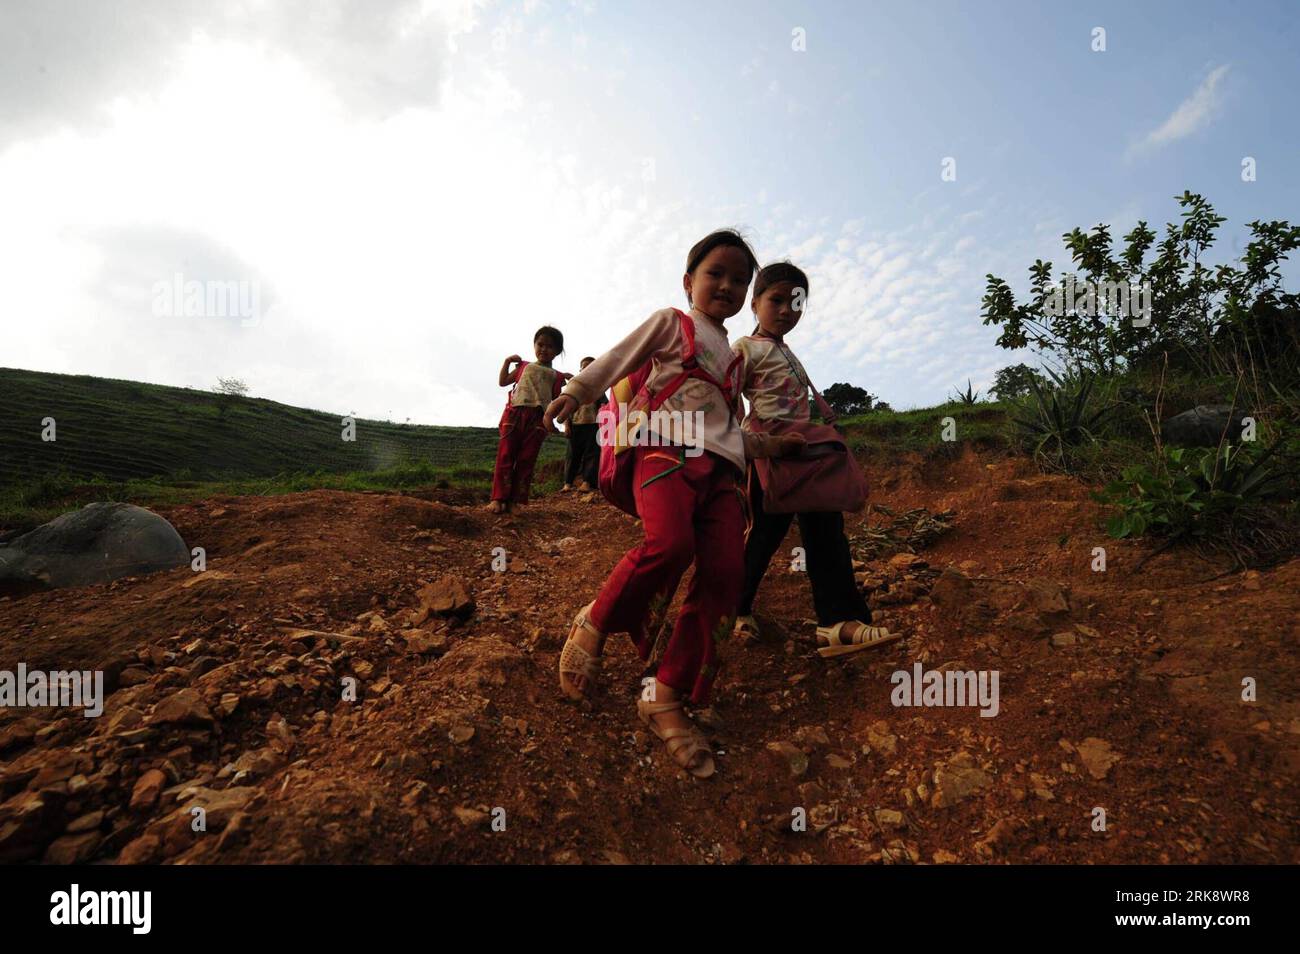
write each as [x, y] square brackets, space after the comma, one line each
[691, 511]
[522, 435]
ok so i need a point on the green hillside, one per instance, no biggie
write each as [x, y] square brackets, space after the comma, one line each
[116, 439]
[150, 445]
[124, 429]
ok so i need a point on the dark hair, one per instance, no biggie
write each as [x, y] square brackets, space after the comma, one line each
[722, 238]
[554, 334]
[586, 359]
[779, 273]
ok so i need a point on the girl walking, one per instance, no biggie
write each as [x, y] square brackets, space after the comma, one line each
[690, 504]
[776, 386]
[536, 384]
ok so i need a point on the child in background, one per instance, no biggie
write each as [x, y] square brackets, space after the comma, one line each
[536, 384]
[690, 505]
[776, 386]
[582, 461]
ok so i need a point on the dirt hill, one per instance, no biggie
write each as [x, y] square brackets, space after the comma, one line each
[1119, 690]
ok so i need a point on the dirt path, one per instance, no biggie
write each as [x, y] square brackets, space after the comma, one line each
[1117, 690]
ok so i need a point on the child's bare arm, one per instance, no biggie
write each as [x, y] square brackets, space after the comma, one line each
[504, 378]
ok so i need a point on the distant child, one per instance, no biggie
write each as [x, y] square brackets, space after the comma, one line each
[776, 386]
[690, 505]
[536, 384]
[582, 462]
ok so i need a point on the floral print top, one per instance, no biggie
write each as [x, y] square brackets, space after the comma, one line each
[773, 381]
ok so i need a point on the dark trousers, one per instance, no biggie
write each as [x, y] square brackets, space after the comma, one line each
[582, 457]
[836, 596]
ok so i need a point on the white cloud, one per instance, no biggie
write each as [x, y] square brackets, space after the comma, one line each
[63, 63]
[402, 257]
[403, 252]
[894, 312]
[1193, 114]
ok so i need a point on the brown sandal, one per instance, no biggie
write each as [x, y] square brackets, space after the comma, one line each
[683, 744]
[576, 661]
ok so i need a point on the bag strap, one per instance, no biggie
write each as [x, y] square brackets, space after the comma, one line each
[687, 325]
[692, 369]
[557, 386]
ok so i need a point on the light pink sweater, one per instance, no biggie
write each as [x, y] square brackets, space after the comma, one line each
[659, 338]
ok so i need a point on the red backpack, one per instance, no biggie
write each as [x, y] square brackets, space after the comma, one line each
[616, 465]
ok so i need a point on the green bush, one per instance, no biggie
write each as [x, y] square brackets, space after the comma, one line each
[1192, 492]
[1230, 318]
[1059, 419]
[969, 397]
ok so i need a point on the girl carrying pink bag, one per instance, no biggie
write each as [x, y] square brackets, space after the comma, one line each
[816, 485]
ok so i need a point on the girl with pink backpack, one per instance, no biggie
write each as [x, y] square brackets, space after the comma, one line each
[678, 367]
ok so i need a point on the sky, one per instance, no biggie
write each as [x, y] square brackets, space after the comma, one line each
[398, 193]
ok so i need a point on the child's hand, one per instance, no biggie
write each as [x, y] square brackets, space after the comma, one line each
[513, 359]
[561, 409]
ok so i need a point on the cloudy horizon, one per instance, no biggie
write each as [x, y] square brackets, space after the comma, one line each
[399, 193]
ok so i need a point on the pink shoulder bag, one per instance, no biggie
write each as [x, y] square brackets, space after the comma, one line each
[823, 478]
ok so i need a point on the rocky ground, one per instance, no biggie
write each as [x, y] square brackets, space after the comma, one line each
[231, 690]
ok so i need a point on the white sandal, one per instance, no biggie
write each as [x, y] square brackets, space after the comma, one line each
[576, 661]
[746, 627]
[683, 744]
[866, 637]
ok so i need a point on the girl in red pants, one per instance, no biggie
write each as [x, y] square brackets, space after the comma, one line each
[536, 384]
[687, 496]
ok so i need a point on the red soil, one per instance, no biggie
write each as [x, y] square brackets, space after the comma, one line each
[1155, 673]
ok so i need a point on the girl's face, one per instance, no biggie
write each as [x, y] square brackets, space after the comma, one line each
[775, 308]
[719, 283]
[545, 349]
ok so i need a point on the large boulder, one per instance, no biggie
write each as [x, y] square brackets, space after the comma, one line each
[1203, 425]
[100, 542]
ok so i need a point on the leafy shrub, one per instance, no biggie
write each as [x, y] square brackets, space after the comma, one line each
[1013, 381]
[1060, 418]
[1192, 493]
[1220, 319]
[968, 397]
